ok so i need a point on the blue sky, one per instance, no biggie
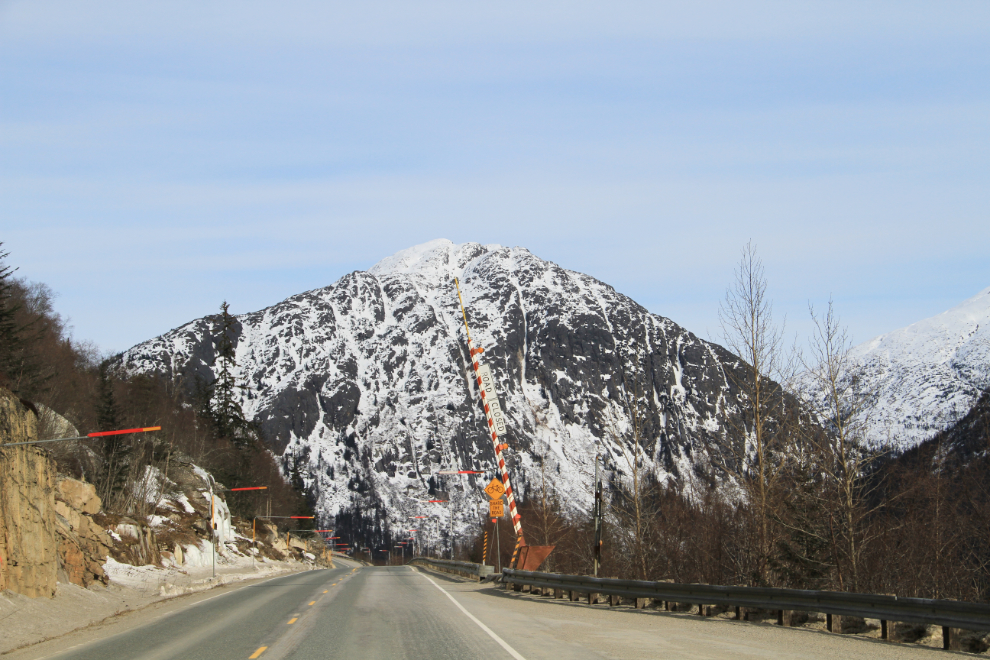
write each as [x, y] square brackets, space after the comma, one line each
[157, 158]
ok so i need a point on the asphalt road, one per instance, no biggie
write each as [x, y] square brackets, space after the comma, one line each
[396, 612]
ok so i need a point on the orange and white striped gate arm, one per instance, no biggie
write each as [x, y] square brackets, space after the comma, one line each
[513, 512]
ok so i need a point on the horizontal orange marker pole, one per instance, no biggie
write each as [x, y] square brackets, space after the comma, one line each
[250, 488]
[302, 517]
[100, 434]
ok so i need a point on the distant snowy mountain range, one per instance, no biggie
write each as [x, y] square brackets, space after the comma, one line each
[365, 386]
[928, 375]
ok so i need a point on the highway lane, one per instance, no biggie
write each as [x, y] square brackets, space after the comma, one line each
[397, 612]
[347, 612]
[233, 625]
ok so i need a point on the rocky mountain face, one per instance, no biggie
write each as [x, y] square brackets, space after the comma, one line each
[364, 388]
[924, 378]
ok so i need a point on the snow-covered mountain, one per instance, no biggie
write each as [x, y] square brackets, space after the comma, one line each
[927, 376]
[365, 386]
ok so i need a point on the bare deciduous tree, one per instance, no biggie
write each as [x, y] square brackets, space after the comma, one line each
[629, 500]
[840, 454]
[757, 450]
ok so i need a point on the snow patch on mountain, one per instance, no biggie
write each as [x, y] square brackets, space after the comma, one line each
[365, 387]
[928, 375]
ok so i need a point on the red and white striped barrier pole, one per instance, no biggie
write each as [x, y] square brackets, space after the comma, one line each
[513, 513]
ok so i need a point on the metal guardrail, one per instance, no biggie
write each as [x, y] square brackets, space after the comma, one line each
[946, 613]
[465, 568]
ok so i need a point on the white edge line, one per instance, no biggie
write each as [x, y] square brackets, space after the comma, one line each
[501, 642]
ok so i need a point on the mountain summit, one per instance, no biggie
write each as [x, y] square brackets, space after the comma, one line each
[365, 389]
[928, 375]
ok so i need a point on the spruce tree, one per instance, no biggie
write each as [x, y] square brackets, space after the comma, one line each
[116, 448]
[18, 371]
[228, 417]
[9, 340]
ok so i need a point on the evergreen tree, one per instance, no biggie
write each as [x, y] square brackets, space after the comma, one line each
[8, 324]
[106, 410]
[116, 448]
[228, 417]
[18, 371]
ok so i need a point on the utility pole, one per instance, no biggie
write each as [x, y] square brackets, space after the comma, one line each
[598, 518]
[213, 528]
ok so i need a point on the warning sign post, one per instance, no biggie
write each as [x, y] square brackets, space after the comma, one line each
[495, 489]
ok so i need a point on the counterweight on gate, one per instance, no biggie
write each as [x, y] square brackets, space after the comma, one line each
[516, 519]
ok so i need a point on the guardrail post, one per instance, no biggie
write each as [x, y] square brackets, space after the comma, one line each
[844, 613]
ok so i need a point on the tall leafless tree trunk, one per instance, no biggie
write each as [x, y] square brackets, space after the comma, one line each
[754, 457]
[631, 503]
[841, 453]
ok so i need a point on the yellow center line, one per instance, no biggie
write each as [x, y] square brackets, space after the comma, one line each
[293, 620]
[325, 590]
[257, 653]
[312, 602]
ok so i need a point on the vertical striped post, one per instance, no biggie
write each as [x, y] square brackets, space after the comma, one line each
[513, 513]
[484, 550]
[515, 553]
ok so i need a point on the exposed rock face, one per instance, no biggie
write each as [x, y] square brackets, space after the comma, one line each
[138, 545]
[365, 386]
[28, 542]
[83, 544]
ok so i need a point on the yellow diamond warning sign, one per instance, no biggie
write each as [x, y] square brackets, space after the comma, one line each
[496, 509]
[495, 489]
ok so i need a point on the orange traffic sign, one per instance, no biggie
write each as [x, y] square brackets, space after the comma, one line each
[496, 509]
[495, 489]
